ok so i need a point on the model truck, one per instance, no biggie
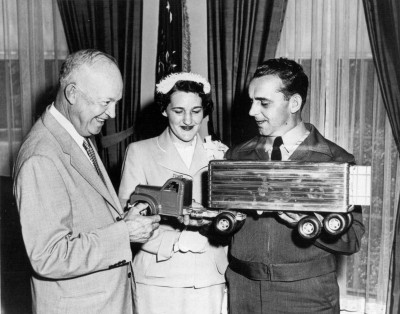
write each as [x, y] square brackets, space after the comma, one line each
[173, 199]
[239, 187]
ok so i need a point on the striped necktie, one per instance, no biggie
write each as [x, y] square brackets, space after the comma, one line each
[92, 156]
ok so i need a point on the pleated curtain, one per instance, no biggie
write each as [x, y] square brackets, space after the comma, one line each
[32, 47]
[241, 34]
[382, 18]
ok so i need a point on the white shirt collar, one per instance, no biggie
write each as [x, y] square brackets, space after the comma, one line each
[186, 151]
[291, 140]
[295, 136]
[67, 125]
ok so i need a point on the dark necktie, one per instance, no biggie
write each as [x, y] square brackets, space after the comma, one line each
[276, 152]
[92, 156]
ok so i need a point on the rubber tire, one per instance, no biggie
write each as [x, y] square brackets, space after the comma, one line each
[153, 204]
[309, 227]
[335, 224]
[225, 223]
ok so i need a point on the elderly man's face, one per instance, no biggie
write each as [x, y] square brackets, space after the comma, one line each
[184, 113]
[97, 90]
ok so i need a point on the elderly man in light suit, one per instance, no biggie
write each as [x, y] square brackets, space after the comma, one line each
[76, 235]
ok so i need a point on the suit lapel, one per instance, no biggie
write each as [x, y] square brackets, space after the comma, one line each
[80, 162]
[200, 159]
[168, 156]
[313, 143]
[109, 185]
[260, 148]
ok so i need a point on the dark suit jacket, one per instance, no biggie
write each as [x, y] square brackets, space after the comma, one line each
[266, 238]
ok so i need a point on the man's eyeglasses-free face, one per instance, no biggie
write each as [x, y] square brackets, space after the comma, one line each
[90, 98]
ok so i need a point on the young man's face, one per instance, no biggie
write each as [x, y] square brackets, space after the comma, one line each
[273, 114]
[184, 113]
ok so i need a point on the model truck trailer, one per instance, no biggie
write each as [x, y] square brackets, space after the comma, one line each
[326, 188]
[239, 187]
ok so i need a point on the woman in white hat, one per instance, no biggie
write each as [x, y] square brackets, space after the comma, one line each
[178, 270]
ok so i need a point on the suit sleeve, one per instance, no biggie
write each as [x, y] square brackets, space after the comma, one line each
[132, 174]
[349, 242]
[164, 242]
[46, 214]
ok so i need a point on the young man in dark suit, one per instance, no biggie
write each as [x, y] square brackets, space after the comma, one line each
[272, 269]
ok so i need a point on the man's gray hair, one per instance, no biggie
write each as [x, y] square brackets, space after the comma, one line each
[79, 58]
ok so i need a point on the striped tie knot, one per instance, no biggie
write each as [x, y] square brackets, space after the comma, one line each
[90, 151]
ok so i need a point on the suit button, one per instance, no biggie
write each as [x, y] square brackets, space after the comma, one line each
[118, 218]
[129, 275]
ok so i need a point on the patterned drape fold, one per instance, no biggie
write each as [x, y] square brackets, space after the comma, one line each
[241, 34]
[113, 27]
[383, 22]
[169, 49]
[27, 75]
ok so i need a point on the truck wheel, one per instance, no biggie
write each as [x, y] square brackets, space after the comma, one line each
[309, 227]
[153, 208]
[335, 224]
[225, 223]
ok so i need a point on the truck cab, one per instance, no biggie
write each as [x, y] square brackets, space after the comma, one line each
[171, 199]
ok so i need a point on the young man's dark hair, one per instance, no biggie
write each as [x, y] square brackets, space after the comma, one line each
[290, 72]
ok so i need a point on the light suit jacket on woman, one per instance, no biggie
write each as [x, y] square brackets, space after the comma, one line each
[172, 258]
[79, 252]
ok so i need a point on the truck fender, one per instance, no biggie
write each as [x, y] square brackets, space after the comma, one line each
[154, 207]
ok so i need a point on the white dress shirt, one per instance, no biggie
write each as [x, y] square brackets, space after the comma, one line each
[291, 140]
[186, 151]
[67, 125]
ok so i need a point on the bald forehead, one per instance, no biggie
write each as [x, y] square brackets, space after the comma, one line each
[100, 69]
[100, 62]
[80, 61]
[99, 65]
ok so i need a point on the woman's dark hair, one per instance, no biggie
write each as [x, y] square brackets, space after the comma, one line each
[163, 100]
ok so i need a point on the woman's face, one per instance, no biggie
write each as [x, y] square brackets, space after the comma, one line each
[184, 114]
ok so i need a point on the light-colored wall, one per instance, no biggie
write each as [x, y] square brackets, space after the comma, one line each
[197, 12]
[149, 52]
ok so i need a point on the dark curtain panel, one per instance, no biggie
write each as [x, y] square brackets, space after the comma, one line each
[173, 48]
[242, 33]
[114, 27]
[169, 50]
[382, 17]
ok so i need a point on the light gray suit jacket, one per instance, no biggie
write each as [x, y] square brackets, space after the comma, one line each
[172, 258]
[79, 252]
